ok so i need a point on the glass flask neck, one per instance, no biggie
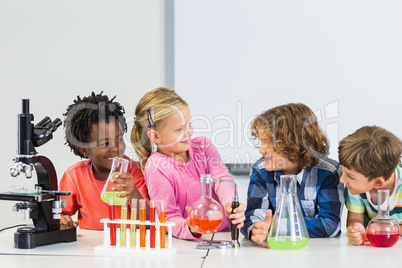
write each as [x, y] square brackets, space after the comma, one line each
[288, 184]
[383, 198]
[206, 189]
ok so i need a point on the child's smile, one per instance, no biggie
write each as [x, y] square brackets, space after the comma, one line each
[174, 136]
[105, 143]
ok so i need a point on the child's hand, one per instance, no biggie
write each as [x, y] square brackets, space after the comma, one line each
[66, 221]
[125, 182]
[260, 230]
[238, 216]
[193, 228]
[356, 234]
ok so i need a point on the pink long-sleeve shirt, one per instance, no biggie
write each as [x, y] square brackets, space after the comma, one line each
[179, 183]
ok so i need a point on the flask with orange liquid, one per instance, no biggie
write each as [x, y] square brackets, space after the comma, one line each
[207, 213]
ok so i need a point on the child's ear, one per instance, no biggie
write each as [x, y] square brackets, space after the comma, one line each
[83, 151]
[153, 136]
[379, 182]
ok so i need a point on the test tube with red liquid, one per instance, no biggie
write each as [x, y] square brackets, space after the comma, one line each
[142, 213]
[152, 219]
[112, 225]
[162, 220]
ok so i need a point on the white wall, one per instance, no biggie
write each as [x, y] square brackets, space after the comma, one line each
[234, 59]
[52, 51]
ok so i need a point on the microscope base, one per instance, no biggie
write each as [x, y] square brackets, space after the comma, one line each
[27, 237]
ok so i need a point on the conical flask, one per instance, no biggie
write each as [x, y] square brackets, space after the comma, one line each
[383, 230]
[207, 214]
[119, 165]
[288, 230]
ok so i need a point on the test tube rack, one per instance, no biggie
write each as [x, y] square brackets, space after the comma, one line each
[106, 248]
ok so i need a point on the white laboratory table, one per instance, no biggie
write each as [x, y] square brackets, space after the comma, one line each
[81, 254]
[321, 252]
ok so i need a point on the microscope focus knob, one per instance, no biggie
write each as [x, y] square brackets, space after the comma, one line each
[16, 169]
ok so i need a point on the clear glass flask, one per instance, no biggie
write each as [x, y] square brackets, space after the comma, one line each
[118, 165]
[207, 213]
[288, 230]
[383, 230]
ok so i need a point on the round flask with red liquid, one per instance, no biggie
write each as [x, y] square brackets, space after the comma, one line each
[206, 213]
[383, 230]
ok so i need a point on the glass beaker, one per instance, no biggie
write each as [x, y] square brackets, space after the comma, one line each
[383, 230]
[207, 214]
[119, 165]
[288, 230]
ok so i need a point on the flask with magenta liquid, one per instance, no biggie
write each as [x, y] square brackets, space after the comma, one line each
[206, 213]
[288, 229]
[383, 230]
[119, 165]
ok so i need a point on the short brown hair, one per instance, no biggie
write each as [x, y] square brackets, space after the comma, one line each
[295, 133]
[372, 151]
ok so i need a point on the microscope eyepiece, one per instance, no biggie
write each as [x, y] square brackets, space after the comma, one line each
[44, 122]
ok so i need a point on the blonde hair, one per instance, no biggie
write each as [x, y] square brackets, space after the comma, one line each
[295, 133]
[151, 112]
[372, 151]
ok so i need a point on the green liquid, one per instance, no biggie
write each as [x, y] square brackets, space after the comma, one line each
[123, 227]
[285, 243]
[118, 201]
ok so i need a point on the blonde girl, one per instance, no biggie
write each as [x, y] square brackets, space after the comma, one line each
[173, 161]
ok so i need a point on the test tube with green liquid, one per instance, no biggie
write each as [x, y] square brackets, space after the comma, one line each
[133, 218]
[123, 227]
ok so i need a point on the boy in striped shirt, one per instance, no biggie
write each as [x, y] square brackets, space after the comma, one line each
[369, 158]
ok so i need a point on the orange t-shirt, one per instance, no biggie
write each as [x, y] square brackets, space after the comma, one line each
[86, 190]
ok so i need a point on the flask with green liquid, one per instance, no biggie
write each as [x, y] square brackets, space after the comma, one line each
[119, 165]
[288, 229]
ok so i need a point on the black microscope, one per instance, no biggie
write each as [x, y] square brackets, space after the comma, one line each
[42, 204]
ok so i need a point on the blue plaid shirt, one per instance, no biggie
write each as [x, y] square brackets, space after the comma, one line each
[318, 189]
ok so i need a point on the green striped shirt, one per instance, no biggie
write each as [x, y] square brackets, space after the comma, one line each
[362, 203]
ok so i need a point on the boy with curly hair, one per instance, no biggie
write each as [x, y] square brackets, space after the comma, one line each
[292, 143]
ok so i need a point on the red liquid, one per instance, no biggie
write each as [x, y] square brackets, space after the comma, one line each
[162, 228]
[383, 238]
[142, 227]
[204, 223]
[112, 227]
[152, 227]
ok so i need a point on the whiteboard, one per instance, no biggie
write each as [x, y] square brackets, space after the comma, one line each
[234, 59]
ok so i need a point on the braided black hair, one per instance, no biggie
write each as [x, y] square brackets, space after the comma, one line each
[86, 111]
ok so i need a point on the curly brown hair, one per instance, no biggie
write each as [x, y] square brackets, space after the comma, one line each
[295, 133]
